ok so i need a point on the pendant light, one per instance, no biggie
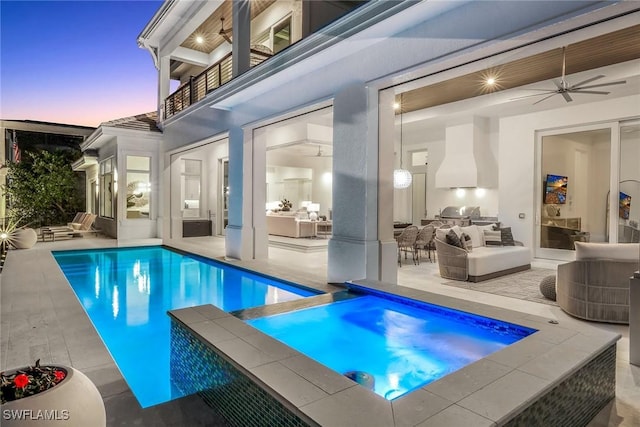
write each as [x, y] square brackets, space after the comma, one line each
[401, 177]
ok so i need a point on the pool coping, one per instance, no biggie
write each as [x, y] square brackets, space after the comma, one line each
[488, 392]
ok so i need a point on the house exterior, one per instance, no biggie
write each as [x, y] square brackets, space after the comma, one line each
[122, 156]
[274, 77]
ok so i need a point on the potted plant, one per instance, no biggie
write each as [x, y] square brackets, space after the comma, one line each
[50, 395]
[285, 205]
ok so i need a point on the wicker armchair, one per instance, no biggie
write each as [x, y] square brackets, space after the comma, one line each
[407, 243]
[424, 241]
[452, 261]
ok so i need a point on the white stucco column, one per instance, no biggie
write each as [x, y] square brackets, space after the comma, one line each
[354, 250]
[386, 164]
[241, 37]
[259, 175]
[164, 69]
[239, 231]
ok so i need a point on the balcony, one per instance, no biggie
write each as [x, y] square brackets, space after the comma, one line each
[199, 86]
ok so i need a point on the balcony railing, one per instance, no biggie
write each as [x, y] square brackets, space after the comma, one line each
[199, 86]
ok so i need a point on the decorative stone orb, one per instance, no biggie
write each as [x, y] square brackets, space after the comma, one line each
[24, 238]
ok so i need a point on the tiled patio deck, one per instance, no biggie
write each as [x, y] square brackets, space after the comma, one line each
[41, 318]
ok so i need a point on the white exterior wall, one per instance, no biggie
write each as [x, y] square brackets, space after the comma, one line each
[443, 35]
[518, 191]
[120, 144]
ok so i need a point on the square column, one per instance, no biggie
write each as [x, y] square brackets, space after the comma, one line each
[241, 37]
[355, 249]
[164, 83]
[246, 207]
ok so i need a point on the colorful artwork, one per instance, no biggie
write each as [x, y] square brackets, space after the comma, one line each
[625, 205]
[556, 190]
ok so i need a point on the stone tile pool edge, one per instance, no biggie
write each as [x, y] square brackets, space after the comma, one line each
[520, 383]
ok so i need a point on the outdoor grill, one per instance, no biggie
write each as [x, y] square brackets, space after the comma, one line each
[460, 212]
[460, 215]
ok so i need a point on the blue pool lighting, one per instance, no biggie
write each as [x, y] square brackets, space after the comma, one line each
[390, 346]
[127, 292]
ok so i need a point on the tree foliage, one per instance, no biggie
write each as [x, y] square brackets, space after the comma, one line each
[43, 188]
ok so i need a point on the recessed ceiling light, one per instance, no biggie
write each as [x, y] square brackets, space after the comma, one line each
[199, 39]
[491, 81]
[396, 105]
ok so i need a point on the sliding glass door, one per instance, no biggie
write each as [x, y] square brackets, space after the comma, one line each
[575, 177]
[626, 210]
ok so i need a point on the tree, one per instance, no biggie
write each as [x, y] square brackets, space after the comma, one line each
[43, 188]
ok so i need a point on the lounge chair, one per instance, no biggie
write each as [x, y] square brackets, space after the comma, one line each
[76, 230]
[75, 223]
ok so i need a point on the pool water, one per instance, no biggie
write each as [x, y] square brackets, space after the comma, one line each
[402, 346]
[127, 292]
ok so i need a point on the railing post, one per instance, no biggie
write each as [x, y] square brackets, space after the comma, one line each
[191, 96]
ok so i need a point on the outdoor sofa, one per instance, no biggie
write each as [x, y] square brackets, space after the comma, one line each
[480, 261]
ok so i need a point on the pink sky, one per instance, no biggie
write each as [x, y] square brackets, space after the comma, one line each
[75, 62]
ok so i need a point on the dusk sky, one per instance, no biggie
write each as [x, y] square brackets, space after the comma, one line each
[75, 62]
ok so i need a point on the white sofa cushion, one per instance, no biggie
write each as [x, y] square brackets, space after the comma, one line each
[486, 260]
[615, 251]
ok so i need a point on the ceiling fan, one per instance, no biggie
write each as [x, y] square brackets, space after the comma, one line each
[565, 89]
[320, 153]
[226, 34]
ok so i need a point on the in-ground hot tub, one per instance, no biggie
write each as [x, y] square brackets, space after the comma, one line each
[560, 375]
[390, 346]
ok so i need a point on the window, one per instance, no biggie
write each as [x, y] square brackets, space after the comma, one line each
[138, 187]
[108, 183]
[282, 35]
[276, 37]
[190, 187]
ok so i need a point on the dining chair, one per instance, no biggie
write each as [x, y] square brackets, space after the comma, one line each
[407, 243]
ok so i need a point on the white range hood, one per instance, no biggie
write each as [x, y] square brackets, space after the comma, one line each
[466, 157]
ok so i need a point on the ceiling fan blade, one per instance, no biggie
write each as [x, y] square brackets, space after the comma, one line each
[587, 81]
[566, 96]
[545, 98]
[620, 82]
[543, 90]
[224, 33]
[592, 92]
[552, 92]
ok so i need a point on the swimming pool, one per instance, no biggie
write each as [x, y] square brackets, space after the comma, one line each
[127, 292]
[390, 346]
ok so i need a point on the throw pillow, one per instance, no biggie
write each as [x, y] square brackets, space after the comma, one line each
[506, 236]
[473, 232]
[482, 228]
[467, 243]
[492, 238]
[456, 229]
[453, 239]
